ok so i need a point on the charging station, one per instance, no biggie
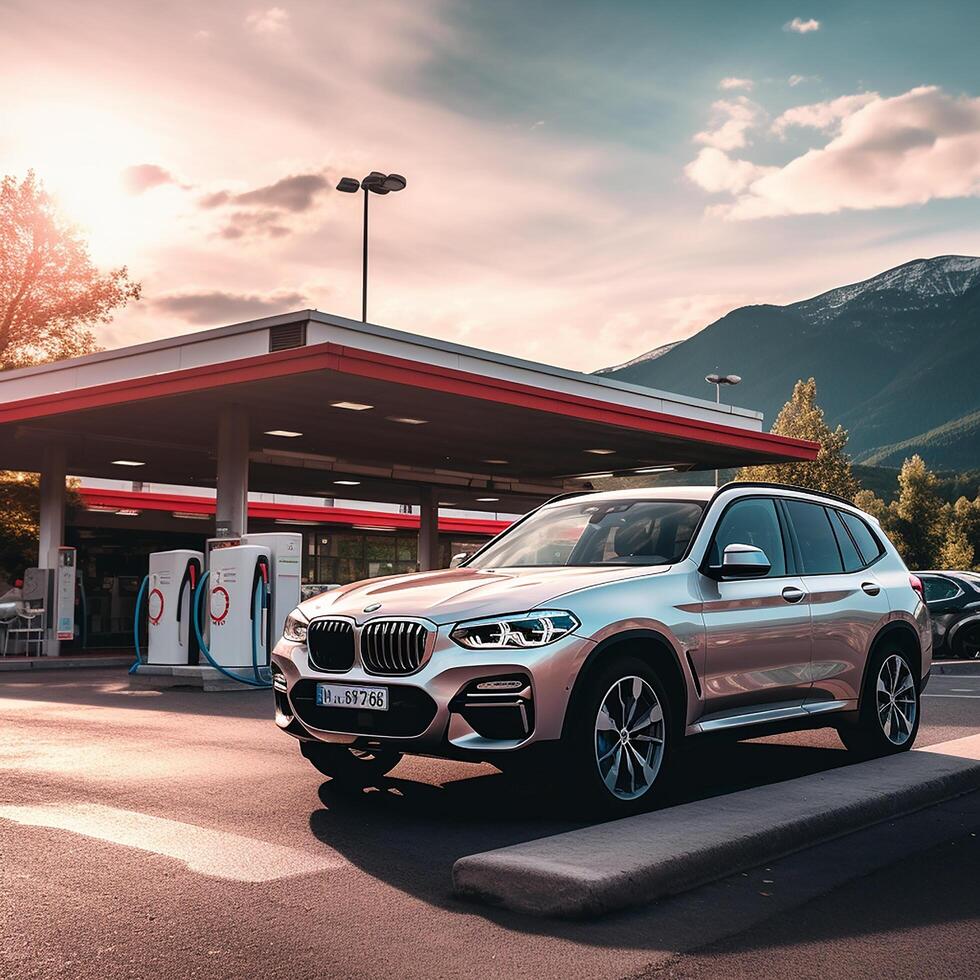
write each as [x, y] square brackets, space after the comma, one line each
[170, 586]
[237, 613]
[230, 613]
[286, 551]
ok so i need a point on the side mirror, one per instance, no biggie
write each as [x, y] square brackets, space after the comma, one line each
[744, 561]
[458, 560]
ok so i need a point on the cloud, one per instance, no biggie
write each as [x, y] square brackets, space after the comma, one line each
[732, 119]
[296, 193]
[145, 176]
[733, 83]
[241, 224]
[217, 307]
[275, 20]
[800, 26]
[715, 171]
[889, 152]
[823, 115]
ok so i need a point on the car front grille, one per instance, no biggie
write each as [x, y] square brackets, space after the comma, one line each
[393, 646]
[331, 644]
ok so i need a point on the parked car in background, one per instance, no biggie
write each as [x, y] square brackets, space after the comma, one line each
[953, 599]
[606, 628]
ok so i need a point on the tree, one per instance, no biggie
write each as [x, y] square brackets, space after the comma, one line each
[917, 518]
[802, 418]
[50, 292]
[19, 509]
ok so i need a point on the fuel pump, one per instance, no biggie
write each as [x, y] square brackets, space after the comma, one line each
[235, 593]
[168, 592]
[286, 552]
[170, 589]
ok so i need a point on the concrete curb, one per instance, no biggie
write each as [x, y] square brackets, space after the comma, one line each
[639, 859]
[956, 668]
[159, 677]
[54, 663]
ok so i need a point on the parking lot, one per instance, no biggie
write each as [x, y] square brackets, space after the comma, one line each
[179, 834]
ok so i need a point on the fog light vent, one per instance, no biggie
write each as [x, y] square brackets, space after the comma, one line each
[505, 685]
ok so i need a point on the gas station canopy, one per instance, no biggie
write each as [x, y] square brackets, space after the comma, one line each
[338, 408]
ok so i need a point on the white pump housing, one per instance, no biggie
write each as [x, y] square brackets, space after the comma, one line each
[232, 607]
[286, 551]
[169, 606]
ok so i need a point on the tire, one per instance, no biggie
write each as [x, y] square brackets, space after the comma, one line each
[886, 724]
[357, 767]
[620, 740]
[966, 646]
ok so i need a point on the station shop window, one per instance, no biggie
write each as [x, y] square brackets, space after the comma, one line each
[346, 556]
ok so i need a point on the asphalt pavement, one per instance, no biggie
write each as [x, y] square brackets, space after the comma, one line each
[177, 834]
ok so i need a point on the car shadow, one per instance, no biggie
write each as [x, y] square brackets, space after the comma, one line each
[410, 833]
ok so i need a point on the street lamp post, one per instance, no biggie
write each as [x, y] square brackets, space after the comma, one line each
[718, 380]
[376, 183]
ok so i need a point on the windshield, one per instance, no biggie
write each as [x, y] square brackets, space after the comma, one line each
[593, 532]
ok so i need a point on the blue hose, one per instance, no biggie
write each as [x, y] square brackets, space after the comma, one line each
[259, 681]
[136, 624]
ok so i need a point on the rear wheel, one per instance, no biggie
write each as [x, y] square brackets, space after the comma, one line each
[889, 714]
[621, 739]
[359, 767]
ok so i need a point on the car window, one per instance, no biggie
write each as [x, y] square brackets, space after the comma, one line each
[590, 531]
[937, 588]
[751, 521]
[852, 557]
[815, 536]
[868, 544]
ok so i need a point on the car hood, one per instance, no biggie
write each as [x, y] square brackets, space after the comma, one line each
[461, 593]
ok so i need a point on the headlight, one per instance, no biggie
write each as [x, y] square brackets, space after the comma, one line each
[295, 627]
[536, 629]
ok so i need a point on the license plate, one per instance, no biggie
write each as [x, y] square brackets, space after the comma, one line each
[352, 696]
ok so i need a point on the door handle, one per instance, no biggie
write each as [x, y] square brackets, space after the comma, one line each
[872, 588]
[793, 594]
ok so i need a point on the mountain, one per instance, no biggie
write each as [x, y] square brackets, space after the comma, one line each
[896, 358]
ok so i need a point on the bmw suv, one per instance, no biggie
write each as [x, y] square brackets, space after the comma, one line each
[606, 628]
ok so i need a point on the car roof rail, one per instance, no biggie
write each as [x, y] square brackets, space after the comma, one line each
[784, 486]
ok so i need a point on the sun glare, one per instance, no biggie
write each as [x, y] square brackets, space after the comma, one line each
[80, 155]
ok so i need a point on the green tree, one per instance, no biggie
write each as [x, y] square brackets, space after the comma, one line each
[19, 507]
[962, 539]
[802, 418]
[917, 518]
[50, 292]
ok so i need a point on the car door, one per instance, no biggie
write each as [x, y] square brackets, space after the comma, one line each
[848, 605]
[757, 630]
[945, 600]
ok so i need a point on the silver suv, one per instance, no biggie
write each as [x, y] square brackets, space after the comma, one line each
[605, 628]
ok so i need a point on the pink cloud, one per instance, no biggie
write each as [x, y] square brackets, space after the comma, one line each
[732, 120]
[888, 152]
[823, 115]
[800, 26]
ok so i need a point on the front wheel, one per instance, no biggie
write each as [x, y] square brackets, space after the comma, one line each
[889, 714]
[358, 767]
[621, 739]
[966, 646]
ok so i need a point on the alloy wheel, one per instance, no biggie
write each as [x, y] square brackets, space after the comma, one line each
[629, 738]
[897, 703]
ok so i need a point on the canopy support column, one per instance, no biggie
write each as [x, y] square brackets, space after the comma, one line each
[51, 528]
[231, 514]
[428, 529]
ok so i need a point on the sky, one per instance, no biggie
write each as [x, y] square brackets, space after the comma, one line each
[585, 180]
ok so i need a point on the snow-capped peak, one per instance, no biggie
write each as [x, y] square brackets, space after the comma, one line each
[650, 355]
[923, 281]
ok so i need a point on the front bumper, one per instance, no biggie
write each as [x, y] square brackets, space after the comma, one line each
[437, 710]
